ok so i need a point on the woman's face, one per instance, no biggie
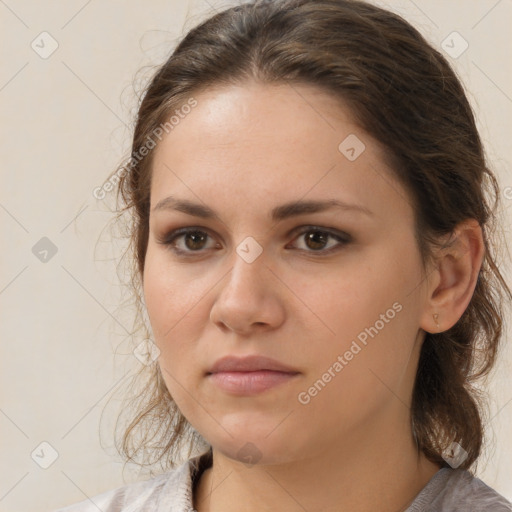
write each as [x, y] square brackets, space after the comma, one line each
[334, 293]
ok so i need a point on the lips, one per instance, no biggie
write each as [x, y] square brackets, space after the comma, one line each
[250, 375]
[249, 364]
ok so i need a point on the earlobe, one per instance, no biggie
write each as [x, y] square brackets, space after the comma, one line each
[457, 268]
[436, 319]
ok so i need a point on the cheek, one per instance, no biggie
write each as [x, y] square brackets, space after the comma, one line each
[167, 306]
[360, 371]
[167, 312]
[367, 318]
[171, 297]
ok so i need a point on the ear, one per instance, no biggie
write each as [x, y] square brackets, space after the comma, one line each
[452, 281]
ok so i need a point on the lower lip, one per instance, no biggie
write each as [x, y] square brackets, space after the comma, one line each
[249, 383]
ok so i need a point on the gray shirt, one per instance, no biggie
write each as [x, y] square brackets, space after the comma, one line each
[449, 490]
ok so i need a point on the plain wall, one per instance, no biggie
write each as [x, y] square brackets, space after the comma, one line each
[66, 124]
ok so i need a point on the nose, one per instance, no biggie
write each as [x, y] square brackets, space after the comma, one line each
[249, 298]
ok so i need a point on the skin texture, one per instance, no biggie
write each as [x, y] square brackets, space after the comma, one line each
[242, 151]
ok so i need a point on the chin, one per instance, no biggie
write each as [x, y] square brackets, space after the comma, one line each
[252, 449]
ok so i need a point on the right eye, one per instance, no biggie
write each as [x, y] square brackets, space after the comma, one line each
[192, 240]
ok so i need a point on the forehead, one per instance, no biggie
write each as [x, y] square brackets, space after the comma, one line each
[260, 142]
[245, 116]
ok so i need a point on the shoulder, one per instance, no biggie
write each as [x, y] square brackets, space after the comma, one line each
[452, 490]
[157, 493]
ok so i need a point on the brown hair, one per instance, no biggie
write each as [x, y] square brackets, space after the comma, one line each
[402, 92]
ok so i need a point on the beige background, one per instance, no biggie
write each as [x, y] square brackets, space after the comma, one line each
[65, 125]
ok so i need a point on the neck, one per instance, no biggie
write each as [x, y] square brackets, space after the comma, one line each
[384, 473]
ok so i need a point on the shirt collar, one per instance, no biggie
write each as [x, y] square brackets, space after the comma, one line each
[177, 494]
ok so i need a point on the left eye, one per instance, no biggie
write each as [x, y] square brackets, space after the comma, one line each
[194, 240]
[317, 238]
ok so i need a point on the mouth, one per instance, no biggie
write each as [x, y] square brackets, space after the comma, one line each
[249, 382]
[249, 375]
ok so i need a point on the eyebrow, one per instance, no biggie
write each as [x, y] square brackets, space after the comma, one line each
[284, 211]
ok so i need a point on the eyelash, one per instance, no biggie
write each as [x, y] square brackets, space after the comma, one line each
[169, 240]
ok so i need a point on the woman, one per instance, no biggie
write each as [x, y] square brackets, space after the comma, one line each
[313, 247]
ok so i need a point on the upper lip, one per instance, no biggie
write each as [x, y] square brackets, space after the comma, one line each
[249, 364]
